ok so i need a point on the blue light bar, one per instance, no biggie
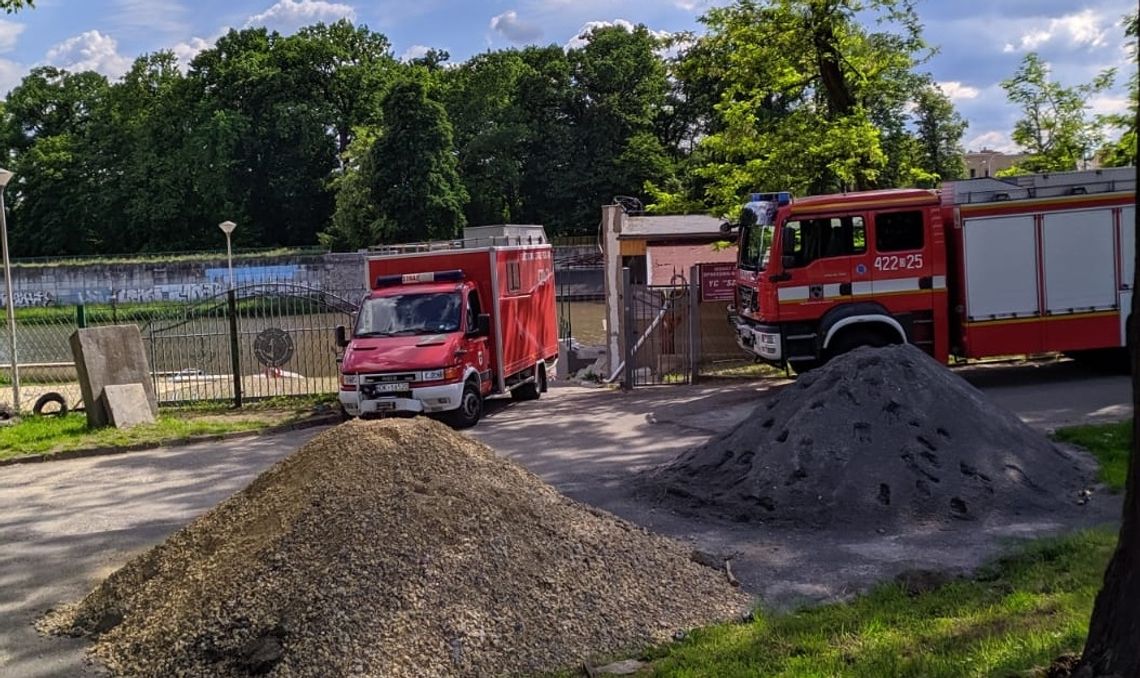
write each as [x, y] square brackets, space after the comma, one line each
[782, 198]
[412, 278]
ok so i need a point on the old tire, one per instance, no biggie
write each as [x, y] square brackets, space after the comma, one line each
[470, 408]
[47, 399]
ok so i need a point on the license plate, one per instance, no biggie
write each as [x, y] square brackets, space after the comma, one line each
[391, 388]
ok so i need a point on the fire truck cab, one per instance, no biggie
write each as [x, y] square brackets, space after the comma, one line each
[979, 268]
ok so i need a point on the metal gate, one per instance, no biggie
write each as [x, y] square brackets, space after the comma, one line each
[659, 333]
[253, 342]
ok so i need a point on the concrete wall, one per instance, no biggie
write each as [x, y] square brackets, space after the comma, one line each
[189, 281]
[46, 285]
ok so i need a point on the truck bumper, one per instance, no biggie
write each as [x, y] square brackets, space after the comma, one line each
[761, 341]
[424, 400]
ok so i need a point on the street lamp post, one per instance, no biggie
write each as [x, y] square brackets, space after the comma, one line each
[228, 228]
[5, 177]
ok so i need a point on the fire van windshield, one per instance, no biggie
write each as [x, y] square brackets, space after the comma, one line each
[410, 314]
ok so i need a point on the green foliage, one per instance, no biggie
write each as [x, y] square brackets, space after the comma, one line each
[1019, 614]
[413, 170]
[804, 98]
[1111, 444]
[1056, 130]
[12, 6]
[1122, 152]
[939, 135]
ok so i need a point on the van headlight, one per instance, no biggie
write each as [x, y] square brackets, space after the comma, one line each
[350, 379]
[432, 375]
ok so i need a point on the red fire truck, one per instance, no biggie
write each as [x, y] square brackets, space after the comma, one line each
[982, 267]
[448, 324]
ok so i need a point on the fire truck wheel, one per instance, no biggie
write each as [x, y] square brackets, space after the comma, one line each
[855, 338]
[470, 408]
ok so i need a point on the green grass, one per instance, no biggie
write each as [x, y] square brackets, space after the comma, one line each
[1015, 617]
[47, 435]
[1110, 443]
[1019, 614]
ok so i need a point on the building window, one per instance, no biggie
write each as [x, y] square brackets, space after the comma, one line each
[898, 231]
[973, 172]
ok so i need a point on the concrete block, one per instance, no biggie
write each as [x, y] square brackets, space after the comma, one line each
[108, 356]
[127, 405]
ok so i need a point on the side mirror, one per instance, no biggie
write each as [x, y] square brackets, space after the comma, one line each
[341, 336]
[788, 241]
[483, 325]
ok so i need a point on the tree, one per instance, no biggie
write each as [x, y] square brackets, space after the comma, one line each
[619, 89]
[939, 131]
[413, 167]
[1122, 152]
[1056, 129]
[1113, 644]
[356, 223]
[807, 98]
[12, 6]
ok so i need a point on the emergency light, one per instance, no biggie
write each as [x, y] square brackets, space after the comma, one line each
[411, 278]
[782, 198]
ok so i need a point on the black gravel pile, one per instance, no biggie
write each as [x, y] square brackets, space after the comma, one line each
[877, 438]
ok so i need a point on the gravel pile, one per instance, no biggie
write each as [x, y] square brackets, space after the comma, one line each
[395, 548]
[879, 438]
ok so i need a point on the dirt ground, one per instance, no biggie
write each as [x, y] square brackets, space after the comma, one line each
[785, 568]
[66, 525]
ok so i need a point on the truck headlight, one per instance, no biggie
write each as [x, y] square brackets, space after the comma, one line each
[350, 379]
[432, 375]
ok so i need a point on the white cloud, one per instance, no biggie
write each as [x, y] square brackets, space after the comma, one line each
[957, 91]
[90, 51]
[289, 15]
[415, 52]
[514, 29]
[993, 140]
[1106, 104]
[1083, 29]
[582, 37]
[186, 51]
[151, 16]
[9, 34]
[11, 73]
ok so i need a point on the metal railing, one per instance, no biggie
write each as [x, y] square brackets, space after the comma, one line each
[254, 342]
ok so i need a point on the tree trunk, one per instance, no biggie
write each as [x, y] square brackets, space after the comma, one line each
[1113, 645]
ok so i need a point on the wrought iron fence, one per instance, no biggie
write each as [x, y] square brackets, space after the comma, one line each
[257, 341]
[659, 334]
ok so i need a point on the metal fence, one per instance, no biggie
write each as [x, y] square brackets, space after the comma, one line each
[254, 342]
[660, 333]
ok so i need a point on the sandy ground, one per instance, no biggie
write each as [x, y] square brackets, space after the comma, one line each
[65, 525]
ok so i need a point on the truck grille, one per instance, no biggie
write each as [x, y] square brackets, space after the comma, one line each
[407, 377]
[745, 298]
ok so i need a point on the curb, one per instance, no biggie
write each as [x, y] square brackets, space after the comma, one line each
[312, 422]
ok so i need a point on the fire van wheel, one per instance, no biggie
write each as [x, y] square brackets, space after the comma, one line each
[532, 390]
[470, 408]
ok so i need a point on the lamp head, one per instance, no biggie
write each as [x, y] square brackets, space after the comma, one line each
[5, 177]
[227, 227]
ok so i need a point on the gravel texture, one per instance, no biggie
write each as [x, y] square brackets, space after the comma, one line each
[395, 548]
[882, 438]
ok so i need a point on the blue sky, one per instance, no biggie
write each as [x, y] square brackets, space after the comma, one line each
[979, 41]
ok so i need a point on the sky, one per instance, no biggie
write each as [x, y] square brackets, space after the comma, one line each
[979, 42]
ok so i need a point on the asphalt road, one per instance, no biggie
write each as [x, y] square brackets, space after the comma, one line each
[65, 525]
